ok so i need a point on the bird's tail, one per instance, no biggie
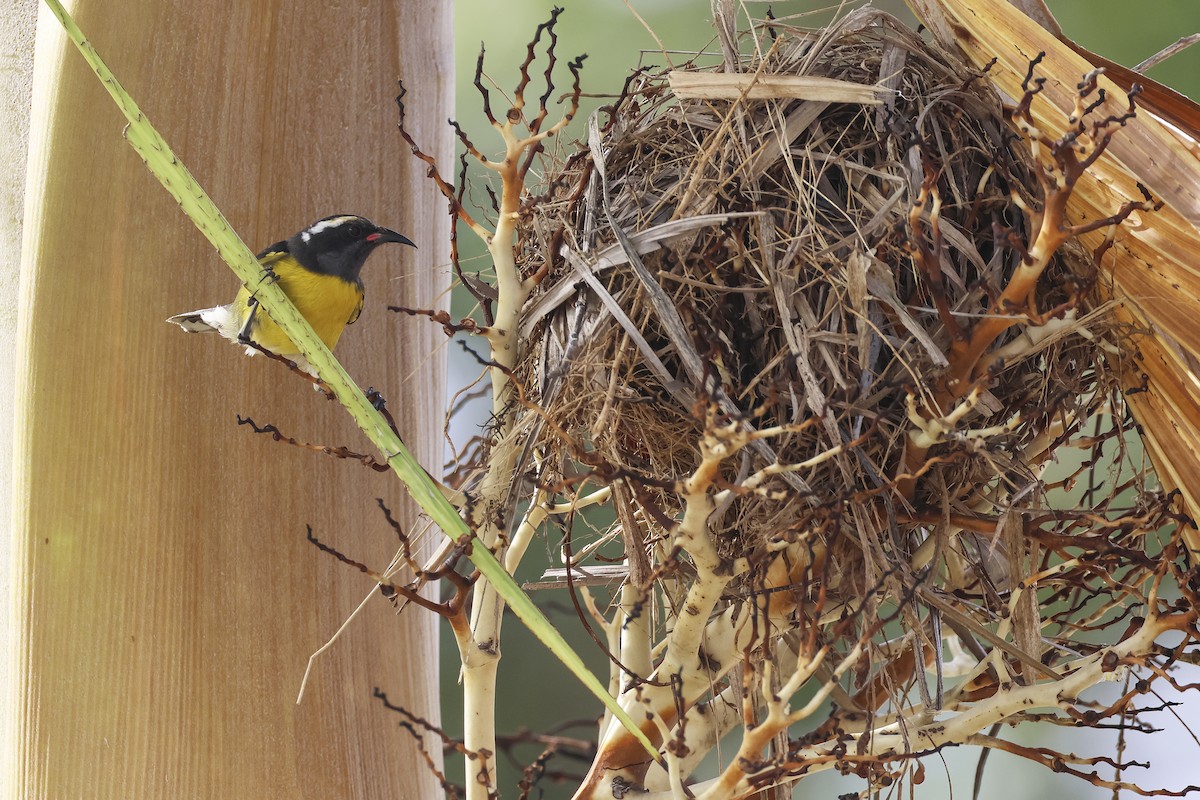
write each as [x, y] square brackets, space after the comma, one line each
[192, 321]
[218, 318]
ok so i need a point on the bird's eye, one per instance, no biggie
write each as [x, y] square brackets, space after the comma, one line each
[354, 230]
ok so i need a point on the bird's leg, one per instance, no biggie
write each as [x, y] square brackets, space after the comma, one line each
[269, 276]
[243, 336]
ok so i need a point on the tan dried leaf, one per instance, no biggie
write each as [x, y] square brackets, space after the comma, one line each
[725, 86]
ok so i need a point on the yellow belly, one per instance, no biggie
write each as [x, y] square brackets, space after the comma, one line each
[328, 303]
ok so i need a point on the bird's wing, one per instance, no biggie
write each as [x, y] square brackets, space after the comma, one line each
[273, 253]
[354, 315]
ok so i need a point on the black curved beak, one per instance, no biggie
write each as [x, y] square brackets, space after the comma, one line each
[382, 235]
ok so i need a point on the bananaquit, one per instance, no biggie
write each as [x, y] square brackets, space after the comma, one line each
[318, 269]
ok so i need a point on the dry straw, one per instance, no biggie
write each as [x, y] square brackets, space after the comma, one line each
[816, 323]
[799, 299]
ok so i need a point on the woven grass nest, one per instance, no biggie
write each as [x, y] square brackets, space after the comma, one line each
[779, 285]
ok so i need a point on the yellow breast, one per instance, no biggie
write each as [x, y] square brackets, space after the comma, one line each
[327, 302]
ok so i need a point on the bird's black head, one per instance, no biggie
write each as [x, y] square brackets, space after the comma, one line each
[339, 244]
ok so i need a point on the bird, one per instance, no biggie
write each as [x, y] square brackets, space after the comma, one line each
[319, 269]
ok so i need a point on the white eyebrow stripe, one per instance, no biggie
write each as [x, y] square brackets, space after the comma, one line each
[325, 224]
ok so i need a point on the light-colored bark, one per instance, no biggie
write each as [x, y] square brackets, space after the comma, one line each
[167, 600]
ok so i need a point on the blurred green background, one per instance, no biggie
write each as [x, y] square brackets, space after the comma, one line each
[535, 692]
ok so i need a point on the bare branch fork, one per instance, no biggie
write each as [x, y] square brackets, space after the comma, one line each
[1060, 165]
[329, 450]
[453, 610]
[488, 510]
